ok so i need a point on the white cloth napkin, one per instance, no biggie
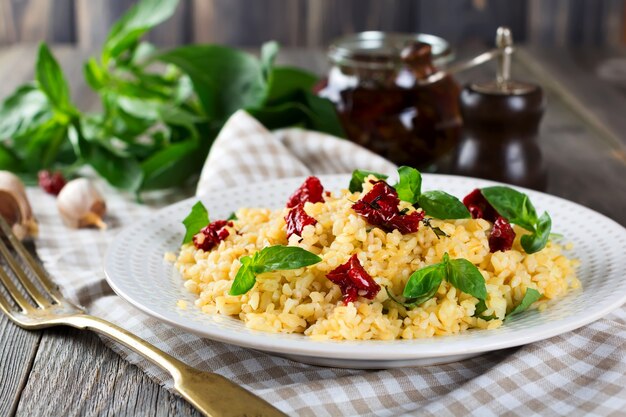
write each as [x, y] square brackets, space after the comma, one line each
[581, 372]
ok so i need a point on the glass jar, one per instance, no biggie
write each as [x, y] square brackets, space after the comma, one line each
[377, 82]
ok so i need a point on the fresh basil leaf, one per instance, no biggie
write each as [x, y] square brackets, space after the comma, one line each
[171, 166]
[24, 110]
[407, 303]
[409, 185]
[121, 172]
[197, 218]
[537, 240]
[224, 79]
[245, 278]
[512, 205]
[269, 259]
[232, 216]
[442, 205]
[424, 283]
[269, 50]
[134, 23]
[358, 178]
[286, 82]
[9, 161]
[323, 115]
[94, 74]
[464, 276]
[51, 81]
[530, 297]
[481, 307]
[278, 258]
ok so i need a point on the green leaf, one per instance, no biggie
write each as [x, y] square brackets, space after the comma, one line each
[25, 109]
[481, 307]
[224, 79]
[512, 205]
[9, 161]
[51, 81]
[121, 172]
[464, 275]
[442, 205]
[171, 166]
[269, 259]
[324, 115]
[536, 241]
[232, 216]
[94, 74]
[530, 297]
[286, 82]
[278, 258]
[195, 221]
[134, 23]
[269, 50]
[245, 278]
[358, 178]
[424, 283]
[409, 185]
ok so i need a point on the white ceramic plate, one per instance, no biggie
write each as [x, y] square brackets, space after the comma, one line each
[135, 268]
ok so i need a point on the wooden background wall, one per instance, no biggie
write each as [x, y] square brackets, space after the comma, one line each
[316, 22]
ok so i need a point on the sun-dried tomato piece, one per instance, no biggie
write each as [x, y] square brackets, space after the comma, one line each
[296, 220]
[50, 182]
[311, 190]
[479, 207]
[501, 236]
[212, 234]
[380, 208]
[354, 281]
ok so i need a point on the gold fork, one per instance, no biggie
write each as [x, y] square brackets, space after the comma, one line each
[210, 393]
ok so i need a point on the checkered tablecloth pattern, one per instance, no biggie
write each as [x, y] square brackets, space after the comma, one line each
[579, 373]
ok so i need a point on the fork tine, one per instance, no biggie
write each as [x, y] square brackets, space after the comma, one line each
[23, 278]
[38, 271]
[24, 304]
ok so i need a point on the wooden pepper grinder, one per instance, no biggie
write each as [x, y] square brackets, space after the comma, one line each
[500, 126]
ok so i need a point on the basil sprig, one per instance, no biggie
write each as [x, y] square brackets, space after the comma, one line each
[195, 220]
[437, 204]
[517, 208]
[423, 283]
[530, 297]
[358, 178]
[162, 110]
[272, 258]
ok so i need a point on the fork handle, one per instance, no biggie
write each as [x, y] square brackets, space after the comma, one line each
[212, 394]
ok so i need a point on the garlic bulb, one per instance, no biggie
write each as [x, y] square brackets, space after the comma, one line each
[81, 204]
[14, 206]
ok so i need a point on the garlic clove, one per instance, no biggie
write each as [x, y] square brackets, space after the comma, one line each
[81, 204]
[14, 206]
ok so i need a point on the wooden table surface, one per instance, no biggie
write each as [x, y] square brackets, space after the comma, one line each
[65, 372]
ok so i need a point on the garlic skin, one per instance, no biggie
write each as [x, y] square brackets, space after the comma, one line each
[81, 204]
[14, 206]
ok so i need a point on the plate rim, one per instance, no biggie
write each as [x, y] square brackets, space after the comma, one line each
[405, 349]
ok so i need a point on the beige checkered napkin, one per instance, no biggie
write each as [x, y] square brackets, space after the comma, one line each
[579, 373]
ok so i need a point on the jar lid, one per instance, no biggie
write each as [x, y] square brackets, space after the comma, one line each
[381, 50]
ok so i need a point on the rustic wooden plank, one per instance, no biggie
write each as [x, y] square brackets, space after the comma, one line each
[471, 21]
[17, 353]
[37, 20]
[75, 374]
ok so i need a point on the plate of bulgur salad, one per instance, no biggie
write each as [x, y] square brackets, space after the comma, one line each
[373, 270]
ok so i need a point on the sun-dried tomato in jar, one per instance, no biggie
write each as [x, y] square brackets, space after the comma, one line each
[377, 85]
